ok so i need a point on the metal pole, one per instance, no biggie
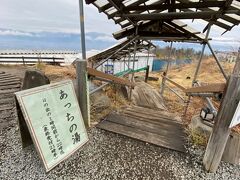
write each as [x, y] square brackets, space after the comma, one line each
[168, 64]
[81, 71]
[201, 56]
[82, 29]
[218, 63]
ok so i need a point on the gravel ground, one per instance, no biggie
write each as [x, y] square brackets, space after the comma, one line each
[107, 156]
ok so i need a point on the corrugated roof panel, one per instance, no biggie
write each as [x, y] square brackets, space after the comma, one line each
[111, 10]
[236, 4]
[225, 22]
[151, 2]
[179, 23]
[234, 16]
[124, 22]
[101, 3]
[191, 30]
[129, 2]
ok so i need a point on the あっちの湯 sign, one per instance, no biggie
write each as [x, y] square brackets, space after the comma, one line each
[54, 121]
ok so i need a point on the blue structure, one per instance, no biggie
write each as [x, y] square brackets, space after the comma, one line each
[160, 64]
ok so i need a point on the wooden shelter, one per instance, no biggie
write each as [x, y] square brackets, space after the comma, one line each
[161, 20]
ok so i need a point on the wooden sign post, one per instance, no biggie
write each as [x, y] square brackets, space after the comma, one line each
[221, 130]
[54, 120]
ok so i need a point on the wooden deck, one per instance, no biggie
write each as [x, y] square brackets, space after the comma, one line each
[153, 126]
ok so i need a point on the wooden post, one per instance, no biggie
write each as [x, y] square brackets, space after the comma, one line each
[166, 72]
[221, 131]
[83, 91]
[147, 73]
[23, 60]
[133, 67]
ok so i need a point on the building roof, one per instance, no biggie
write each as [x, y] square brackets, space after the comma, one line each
[36, 52]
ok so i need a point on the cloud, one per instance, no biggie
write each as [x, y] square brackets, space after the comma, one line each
[52, 16]
[105, 38]
[14, 33]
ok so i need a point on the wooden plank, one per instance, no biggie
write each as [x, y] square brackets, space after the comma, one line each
[15, 86]
[174, 83]
[94, 72]
[7, 75]
[11, 91]
[221, 131]
[153, 112]
[139, 134]
[6, 107]
[211, 88]
[159, 119]
[9, 80]
[171, 132]
[232, 150]
[10, 83]
[6, 101]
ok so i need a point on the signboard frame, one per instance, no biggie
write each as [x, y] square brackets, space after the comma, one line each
[29, 92]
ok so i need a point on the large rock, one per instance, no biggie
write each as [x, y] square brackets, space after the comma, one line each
[34, 78]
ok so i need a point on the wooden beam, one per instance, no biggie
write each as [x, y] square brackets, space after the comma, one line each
[211, 88]
[174, 15]
[138, 12]
[174, 83]
[90, 1]
[83, 90]
[175, 6]
[221, 131]
[99, 74]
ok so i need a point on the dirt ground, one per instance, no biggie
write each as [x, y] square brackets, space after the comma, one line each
[183, 75]
[111, 156]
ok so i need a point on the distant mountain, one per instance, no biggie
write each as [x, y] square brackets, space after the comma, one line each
[12, 39]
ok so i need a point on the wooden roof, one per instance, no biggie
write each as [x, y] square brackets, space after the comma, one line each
[157, 18]
[125, 46]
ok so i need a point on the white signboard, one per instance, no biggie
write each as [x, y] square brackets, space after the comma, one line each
[54, 121]
[236, 117]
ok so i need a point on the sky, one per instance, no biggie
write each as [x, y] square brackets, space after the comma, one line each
[29, 20]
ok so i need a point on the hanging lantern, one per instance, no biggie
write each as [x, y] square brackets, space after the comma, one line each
[206, 114]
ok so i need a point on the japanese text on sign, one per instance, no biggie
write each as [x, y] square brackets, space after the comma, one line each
[54, 120]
